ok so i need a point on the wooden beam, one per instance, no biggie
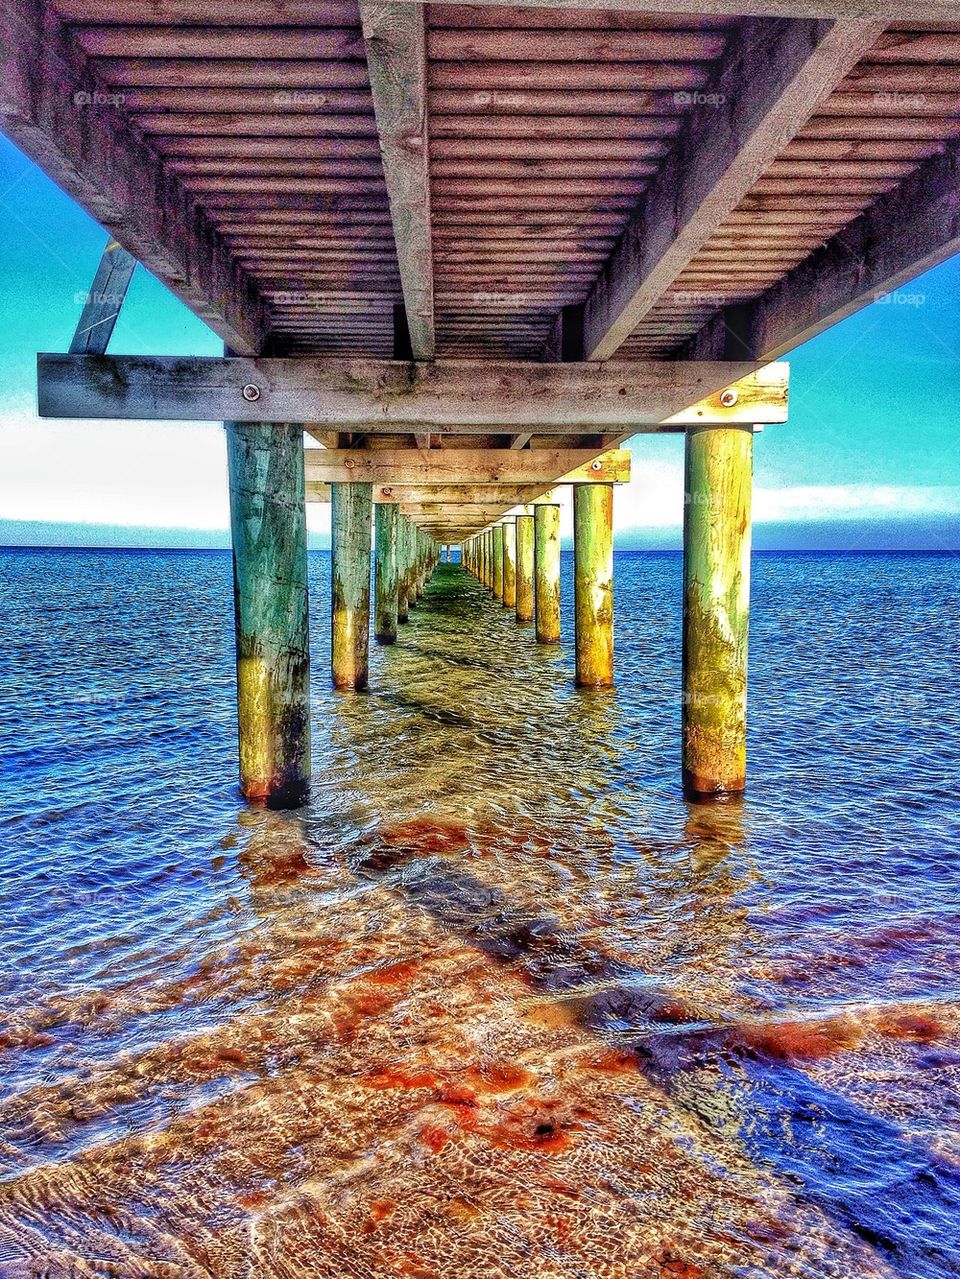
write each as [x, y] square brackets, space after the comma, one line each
[444, 396]
[391, 468]
[885, 11]
[904, 233]
[773, 78]
[458, 494]
[395, 37]
[102, 304]
[55, 110]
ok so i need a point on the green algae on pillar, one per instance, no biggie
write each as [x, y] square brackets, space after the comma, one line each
[497, 583]
[525, 568]
[386, 577]
[350, 592]
[716, 609]
[546, 538]
[403, 589]
[268, 528]
[593, 583]
[509, 564]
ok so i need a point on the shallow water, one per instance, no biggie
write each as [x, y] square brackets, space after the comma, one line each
[499, 1002]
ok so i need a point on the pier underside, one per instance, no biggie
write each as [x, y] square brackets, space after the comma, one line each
[472, 250]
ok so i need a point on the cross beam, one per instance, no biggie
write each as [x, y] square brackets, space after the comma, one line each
[444, 396]
[393, 469]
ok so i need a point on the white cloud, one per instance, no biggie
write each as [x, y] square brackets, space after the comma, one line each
[174, 475]
[131, 474]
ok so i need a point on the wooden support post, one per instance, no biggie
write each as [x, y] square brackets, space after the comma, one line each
[386, 577]
[525, 568]
[716, 608]
[350, 592]
[497, 587]
[269, 533]
[403, 585]
[509, 564]
[546, 525]
[593, 583]
[485, 558]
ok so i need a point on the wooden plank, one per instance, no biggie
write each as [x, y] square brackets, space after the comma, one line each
[386, 468]
[48, 108]
[372, 395]
[903, 234]
[102, 304]
[772, 81]
[395, 38]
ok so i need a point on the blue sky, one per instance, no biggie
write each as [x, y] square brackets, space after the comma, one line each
[868, 457]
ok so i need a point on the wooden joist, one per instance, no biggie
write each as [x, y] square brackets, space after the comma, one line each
[395, 38]
[908, 231]
[60, 115]
[443, 397]
[772, 80]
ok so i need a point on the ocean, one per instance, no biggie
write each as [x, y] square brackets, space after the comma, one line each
[498, 1002]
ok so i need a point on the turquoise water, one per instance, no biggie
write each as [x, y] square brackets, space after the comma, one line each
[498, 1001]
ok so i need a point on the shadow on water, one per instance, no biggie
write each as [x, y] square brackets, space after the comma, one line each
[860, 1169]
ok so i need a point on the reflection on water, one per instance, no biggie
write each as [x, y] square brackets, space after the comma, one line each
[499, 1002]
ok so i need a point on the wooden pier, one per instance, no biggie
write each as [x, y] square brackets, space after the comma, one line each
[468, 252]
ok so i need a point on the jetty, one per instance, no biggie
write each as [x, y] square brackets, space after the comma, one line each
[458, 255]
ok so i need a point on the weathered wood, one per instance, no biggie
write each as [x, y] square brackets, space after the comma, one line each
[403, 569]
[96, 157]
[386, 578]
[350, 585]
[525, 568]
[716, 606]
[772, 82]
[389, 467]
[546, 518]
[900, 236]
[370, 395]
[395, 39]
[102, 304]
[270, 596]
[593, 583]
[887, 11]
[509, 527]
[496, 584]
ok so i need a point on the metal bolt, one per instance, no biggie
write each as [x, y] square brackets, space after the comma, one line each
[728, 398]
[251, 392]
[596, 466]
[349, 464]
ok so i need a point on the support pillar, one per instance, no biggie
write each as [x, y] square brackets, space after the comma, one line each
[268, 527]
[386, 574]
[509, 564]
[497, 557]
[716, 609]
[488, 559]
[546, 537]
[350, 591]
[403, 589]
[525, 568]
[593, 583]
